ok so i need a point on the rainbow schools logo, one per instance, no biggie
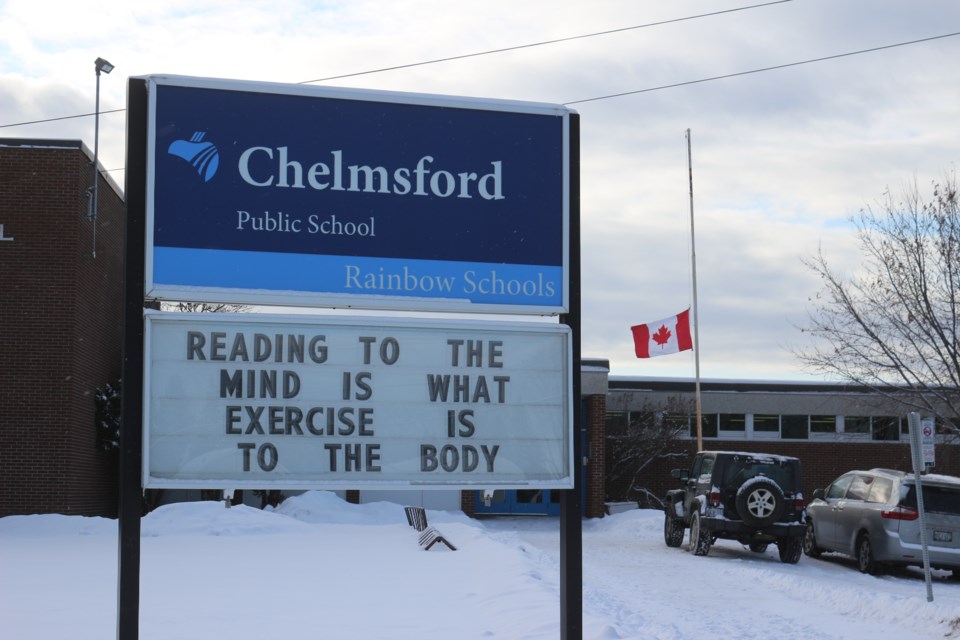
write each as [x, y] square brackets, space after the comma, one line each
[203, 155]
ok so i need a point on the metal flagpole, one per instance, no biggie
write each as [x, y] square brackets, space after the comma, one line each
[696, 315]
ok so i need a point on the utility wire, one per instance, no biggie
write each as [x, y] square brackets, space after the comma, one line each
[545, 42]
[79, 115]
[461, 57]
[744, 73]
[637, 91]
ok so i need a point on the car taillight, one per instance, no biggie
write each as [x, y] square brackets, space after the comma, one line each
[900, 513]
[714, 499]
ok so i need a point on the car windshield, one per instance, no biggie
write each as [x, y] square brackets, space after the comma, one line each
[935, 499]
[742, 469]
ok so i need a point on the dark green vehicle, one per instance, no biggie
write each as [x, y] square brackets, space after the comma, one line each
[753, 498]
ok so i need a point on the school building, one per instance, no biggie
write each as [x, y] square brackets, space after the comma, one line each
[61, 324]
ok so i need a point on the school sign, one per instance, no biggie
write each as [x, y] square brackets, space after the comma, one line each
[255, 400]
[293, 195]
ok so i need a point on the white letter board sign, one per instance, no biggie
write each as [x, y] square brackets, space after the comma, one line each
[266, 401]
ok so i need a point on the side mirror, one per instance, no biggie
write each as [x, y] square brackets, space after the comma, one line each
[818, 494]
[680, 474]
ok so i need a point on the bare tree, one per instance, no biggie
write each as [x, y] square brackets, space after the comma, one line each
[204, 307]
[894, 327]
[650, 435]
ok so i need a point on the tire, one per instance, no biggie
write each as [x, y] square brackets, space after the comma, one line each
[790, 549]
[810, 541]
[758, 547]
[865, 560]
[672, 529]
[700, 540]
[760, 502]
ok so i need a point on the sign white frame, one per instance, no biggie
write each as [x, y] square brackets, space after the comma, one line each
[371, 403]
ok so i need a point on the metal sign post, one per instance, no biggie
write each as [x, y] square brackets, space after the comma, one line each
[131, 435]
[913, 420]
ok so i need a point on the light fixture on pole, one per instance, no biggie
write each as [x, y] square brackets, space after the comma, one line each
[101, 65]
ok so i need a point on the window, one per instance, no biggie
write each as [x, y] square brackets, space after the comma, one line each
[823, 424]
[733, 422]
[839, 488]
[856, 424]
[530, 496]
[678, 421]
[706, 471]
[697, 464]
[616, 423]
[886, 428]
[881, 490]
[769, 424]
[935, 499]
[948, 425]
[709, 426]
[793, 427]
[859, 488]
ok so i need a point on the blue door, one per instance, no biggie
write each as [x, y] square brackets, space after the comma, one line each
[520, 502]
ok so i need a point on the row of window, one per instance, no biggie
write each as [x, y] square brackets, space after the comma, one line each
[760, 426]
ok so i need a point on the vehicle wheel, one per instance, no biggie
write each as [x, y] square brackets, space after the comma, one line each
[865, 561]
[810, 542]
[700, 540]
[672, 529]
[760, 502]
[758, 547]
[790, 549]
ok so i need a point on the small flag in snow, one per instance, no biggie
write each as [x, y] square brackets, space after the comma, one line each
[659, 338]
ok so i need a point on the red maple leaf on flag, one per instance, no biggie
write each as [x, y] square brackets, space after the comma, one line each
[662, 336]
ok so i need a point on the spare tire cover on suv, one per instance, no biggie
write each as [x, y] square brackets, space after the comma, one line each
[760, 501]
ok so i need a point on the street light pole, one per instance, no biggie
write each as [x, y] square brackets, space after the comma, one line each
[101, 65]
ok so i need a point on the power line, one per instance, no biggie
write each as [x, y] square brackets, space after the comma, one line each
[461, 57]
[79, 115]
[637, 91]
[744, 73]
[545, 42]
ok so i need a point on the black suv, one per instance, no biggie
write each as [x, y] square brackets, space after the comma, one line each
[754, 498]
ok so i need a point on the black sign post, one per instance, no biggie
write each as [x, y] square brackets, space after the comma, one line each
[131, 433]
[571, 504]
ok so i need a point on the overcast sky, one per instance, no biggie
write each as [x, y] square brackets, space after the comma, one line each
[781, 158]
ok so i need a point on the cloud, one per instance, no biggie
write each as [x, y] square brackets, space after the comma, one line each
[780, 159]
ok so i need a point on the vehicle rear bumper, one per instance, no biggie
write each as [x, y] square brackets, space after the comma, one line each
[722, 526]
[896, 551]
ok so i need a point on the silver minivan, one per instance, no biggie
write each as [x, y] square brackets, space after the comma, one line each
[873, 517]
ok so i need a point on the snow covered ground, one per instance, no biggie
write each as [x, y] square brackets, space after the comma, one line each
[317, 567]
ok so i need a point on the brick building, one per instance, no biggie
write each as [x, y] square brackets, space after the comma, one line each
[60, 327]
[831, 427]
[61, 321]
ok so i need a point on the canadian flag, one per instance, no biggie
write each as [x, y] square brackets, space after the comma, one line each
[659, 338]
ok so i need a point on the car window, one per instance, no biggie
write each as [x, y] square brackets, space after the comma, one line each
[839, 488]
[880, 490]
[706, 470]
[742, 469]
[935, 499]
[697, 463]
[859, 488]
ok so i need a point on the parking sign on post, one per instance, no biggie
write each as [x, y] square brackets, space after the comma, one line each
[928, 441]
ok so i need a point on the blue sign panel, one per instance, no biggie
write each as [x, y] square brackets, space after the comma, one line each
[286, 194]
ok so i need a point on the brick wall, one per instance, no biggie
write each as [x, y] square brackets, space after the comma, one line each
[595, 419]
[60, 329]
